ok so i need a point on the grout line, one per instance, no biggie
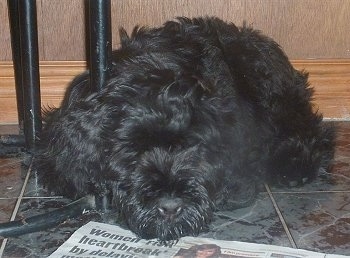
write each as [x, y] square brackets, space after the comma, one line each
[336, 119]
[279, 213]
[14, 213]
[32, 197]
[310, 192]
[20, 197]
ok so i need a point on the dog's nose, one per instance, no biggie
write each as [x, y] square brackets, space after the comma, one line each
[169, 208]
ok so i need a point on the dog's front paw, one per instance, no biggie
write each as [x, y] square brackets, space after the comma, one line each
[237, 195]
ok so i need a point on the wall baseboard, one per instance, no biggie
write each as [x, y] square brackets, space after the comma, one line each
[55, 76]
[330, 78]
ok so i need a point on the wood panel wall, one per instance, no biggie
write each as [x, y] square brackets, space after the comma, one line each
[314, 33]
[304, 28]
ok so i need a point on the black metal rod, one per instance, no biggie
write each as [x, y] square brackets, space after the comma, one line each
[100, 42]
[30, 71]
[16, 57]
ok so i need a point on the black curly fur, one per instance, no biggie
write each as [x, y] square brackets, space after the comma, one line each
[196, 116]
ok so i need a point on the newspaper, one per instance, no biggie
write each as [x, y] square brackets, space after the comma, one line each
[103, 240]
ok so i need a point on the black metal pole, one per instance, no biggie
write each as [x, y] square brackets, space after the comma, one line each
[16, 57]
[100, 42]
[30, 71]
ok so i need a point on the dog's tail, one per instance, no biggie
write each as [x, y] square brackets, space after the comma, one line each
[47, 220]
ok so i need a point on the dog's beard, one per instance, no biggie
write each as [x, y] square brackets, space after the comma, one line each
[165, 177]
[147, 222]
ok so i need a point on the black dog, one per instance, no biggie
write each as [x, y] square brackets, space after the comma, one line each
[196, 116]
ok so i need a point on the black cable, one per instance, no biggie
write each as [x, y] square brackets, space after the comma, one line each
[47, 220]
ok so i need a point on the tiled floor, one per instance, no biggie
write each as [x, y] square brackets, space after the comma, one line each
[314, 217]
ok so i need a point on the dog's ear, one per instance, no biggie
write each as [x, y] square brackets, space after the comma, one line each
[169, 86]
[167, 80]
[188, 86]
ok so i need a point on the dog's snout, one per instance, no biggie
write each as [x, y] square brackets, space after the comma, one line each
[170, 207]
